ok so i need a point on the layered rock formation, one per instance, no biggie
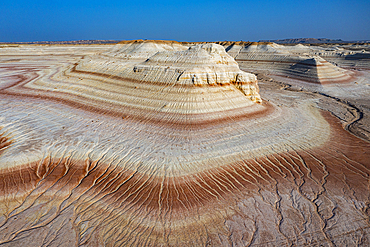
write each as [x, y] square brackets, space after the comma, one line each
[317, 70]
[348, 56]
[174, 149]
[289, 61]
[140, 50]
[210, 83]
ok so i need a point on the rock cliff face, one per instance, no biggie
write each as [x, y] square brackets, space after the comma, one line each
[173, 148]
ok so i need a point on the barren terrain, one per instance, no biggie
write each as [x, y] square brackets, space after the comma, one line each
[159, 143]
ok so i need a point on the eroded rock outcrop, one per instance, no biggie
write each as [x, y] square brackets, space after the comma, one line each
[298, 62]
[199, 65]
[198, 84]
[140, 50]
[113, 151]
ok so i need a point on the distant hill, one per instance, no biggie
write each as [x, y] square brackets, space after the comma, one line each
[311, 41]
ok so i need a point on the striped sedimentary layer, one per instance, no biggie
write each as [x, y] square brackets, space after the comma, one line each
[76, 174]
[287, 61]
[345, 56]
[74, 177]
[199, 85]
[317, 70]
[139, 50]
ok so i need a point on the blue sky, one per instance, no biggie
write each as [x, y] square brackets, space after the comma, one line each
[216, 20]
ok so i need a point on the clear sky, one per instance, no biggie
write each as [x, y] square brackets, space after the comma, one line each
[187, 20]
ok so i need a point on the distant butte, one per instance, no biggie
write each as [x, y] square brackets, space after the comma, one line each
[154, 143]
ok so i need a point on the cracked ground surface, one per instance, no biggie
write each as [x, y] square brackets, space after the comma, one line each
[295, 174]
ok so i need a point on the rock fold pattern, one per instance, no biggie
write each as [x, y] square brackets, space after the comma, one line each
[167, 145]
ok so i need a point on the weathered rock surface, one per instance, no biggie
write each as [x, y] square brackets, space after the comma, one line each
[199, 84]
[170, 148]
[289, 61]
[141, 50]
